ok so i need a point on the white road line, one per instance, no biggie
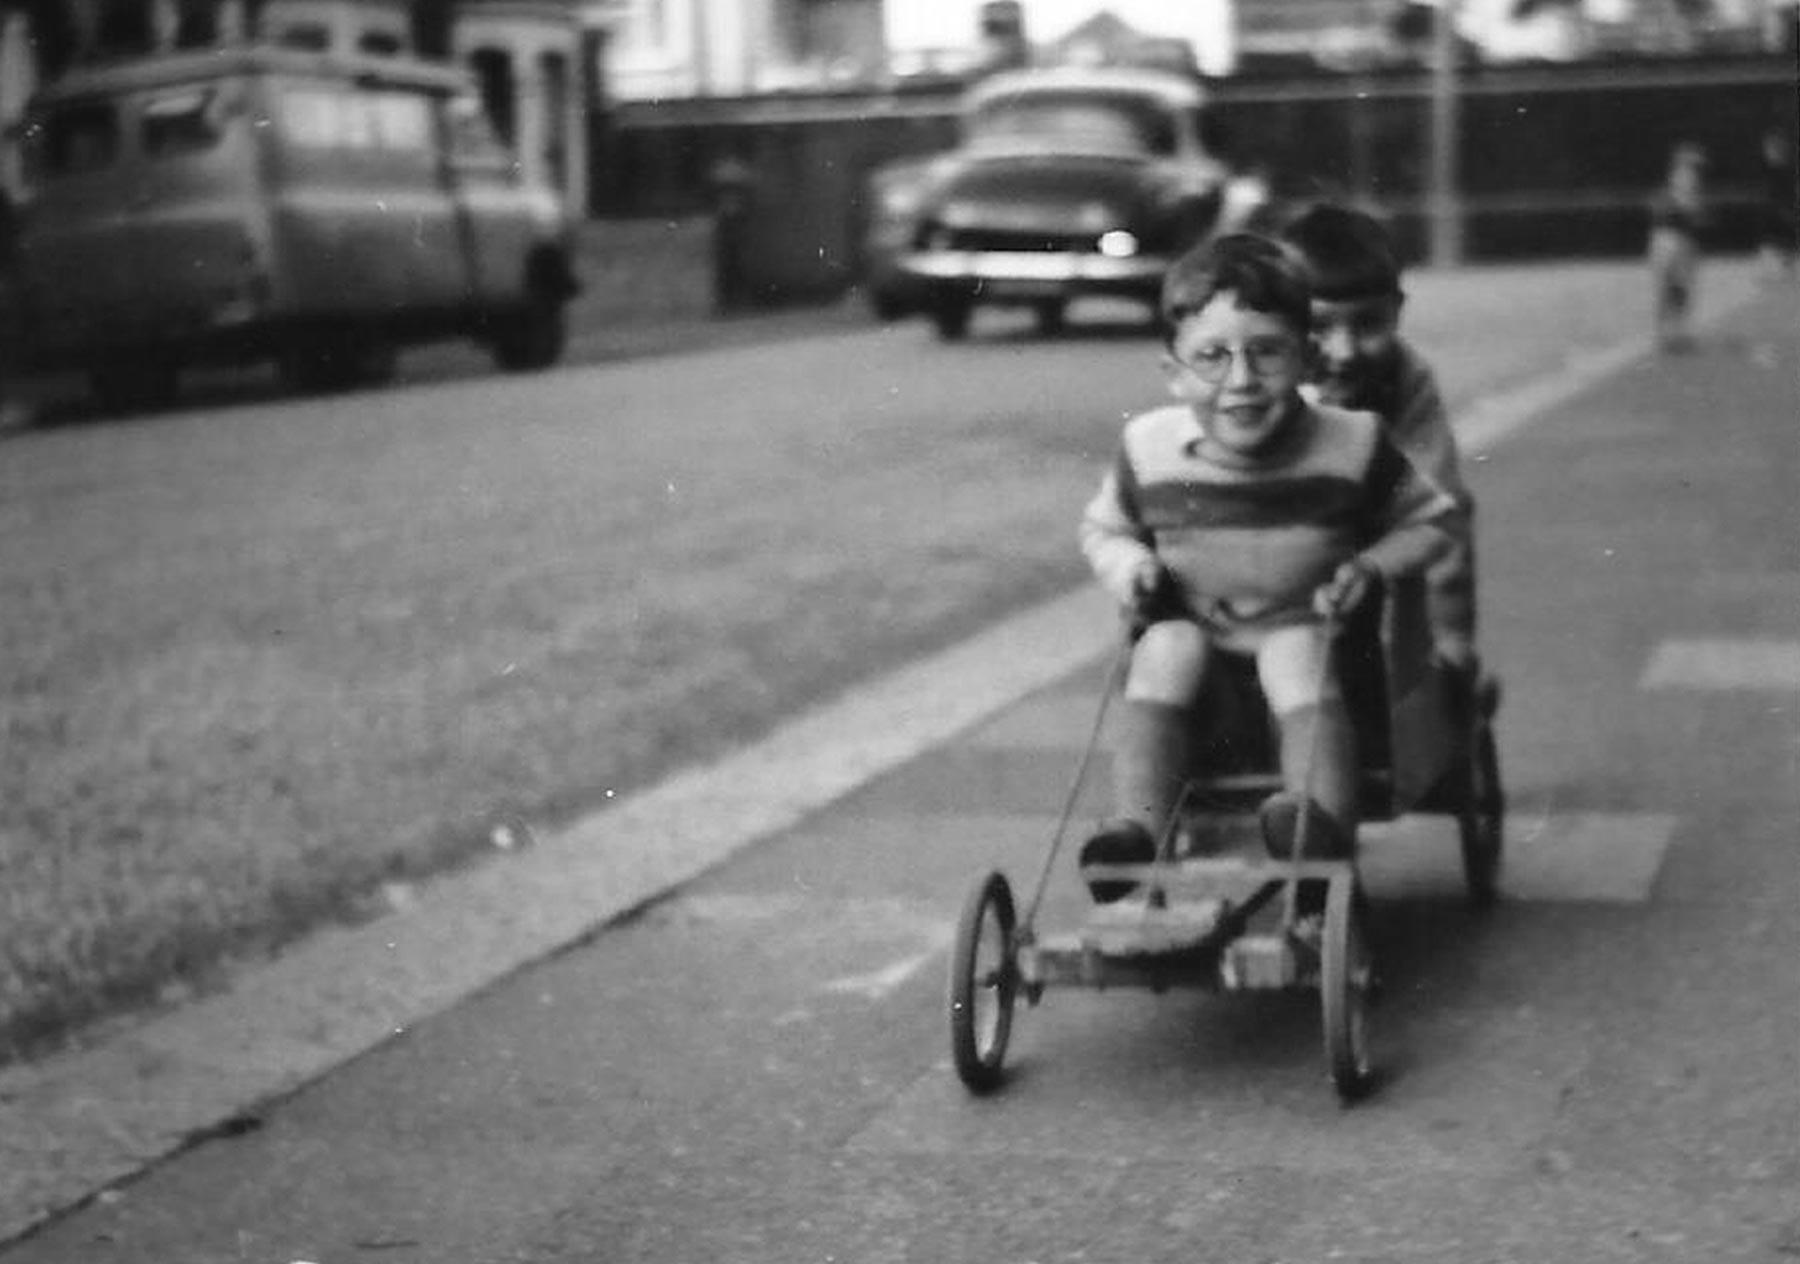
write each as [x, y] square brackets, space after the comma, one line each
[877, 984]
[919, 931]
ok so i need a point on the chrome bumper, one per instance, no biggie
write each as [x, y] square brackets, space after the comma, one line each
[1033, 269]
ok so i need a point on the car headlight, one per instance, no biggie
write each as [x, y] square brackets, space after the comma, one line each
[1118, 244]
[899, 201]
[959, 214]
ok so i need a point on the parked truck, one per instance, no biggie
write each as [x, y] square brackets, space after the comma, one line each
[317, 210]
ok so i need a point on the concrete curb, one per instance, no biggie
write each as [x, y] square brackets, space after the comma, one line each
[76, 1123]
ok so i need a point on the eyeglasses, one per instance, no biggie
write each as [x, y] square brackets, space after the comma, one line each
[1264, 356]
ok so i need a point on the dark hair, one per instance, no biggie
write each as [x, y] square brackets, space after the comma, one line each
[1263, 274]
[1348, 252]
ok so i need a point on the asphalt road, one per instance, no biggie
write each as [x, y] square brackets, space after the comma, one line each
[754, 1068]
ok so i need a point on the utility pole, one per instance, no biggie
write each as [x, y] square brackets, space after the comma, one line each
[1443, 200]
[700, 46]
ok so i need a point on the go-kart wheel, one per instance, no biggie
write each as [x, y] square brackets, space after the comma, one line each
[984, 981]
[1482, 819]
[1346, 980]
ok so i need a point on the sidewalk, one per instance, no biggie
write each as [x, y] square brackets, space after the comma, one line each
[75, 1124]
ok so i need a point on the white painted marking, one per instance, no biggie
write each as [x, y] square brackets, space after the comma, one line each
[1724, 663]
[877, 984]
[918, 932]
[1606, 857]
[1564, 858]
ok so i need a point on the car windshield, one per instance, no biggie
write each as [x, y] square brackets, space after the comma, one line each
[181, 122]
[1085, 120]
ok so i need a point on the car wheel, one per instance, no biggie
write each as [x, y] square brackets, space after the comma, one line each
[950, 314]
[885, 306]
[135, 384]
[533, 336]
[322, 362]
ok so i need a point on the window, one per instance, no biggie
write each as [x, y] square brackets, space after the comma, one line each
[75, 139]
[181, 123]
[493, 69]
[327, 118]
[308, 117]
[402, 119]
[472, 139]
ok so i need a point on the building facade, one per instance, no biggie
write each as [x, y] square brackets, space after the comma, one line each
[659, 49]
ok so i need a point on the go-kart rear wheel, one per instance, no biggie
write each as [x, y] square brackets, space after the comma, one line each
[1346, 981]
[984, 981]
[1482, 819]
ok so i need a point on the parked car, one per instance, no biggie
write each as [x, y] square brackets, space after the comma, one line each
[1065, 181]
[321, 210]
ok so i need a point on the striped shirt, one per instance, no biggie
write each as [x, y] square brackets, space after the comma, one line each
[1247, 543]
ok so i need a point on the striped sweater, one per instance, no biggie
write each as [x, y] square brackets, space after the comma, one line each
[1411, 405]
[1247, 543]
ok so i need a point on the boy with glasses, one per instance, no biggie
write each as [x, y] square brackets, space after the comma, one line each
[1361, 361]
[1236, 522]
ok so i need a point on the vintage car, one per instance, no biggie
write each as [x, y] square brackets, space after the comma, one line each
[1067, 181]
[315, 210]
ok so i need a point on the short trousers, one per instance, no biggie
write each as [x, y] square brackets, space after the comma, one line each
[1292, 663]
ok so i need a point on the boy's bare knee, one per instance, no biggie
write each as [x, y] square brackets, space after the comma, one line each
[1167, 663]
[1288, 665]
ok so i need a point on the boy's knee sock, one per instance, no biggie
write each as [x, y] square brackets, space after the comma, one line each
[1323, 736]
[1150, 758]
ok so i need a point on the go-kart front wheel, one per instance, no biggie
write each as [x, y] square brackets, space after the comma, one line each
[1346, 982]
[984, 982]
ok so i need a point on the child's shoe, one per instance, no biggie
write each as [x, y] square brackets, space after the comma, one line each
[1118, 843]
[1280, 820]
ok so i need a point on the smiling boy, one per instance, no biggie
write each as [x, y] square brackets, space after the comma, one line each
[1237, 521]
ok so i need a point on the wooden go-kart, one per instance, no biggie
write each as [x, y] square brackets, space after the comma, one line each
[1214, 910]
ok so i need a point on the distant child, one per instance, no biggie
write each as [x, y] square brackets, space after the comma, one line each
[1360, 361]
[1234, 522]
[1678, 217]
[1778, 237]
